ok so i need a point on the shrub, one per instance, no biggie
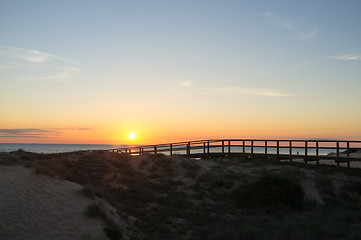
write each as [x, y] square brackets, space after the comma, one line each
[8, 158]
[40, 169]
[89, 191]
[113, 232]
[95, 211]
[269, 191]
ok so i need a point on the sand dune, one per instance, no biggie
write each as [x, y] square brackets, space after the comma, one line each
[162, 197]
[40, 207]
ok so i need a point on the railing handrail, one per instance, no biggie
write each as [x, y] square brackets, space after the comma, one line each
[246, 140]
[249, 147]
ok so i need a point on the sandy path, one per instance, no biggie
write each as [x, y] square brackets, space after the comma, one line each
[39, 207]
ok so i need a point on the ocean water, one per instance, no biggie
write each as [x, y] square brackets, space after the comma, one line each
[54, 148]
[60, 148]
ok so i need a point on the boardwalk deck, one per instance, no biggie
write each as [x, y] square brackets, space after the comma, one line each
[342, 151]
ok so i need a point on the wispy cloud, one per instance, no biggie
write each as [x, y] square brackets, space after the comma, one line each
[188, 87]
[296, 28]
[30, 55]
[28, 133]
[252, 91]
[308, 34]
[186, 83]
[62, 74]
[346, 57]
[36, 132]
[36, 65]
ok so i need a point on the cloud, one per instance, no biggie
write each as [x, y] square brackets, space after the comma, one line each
[30, 55]
[62, 74]
[28, 133]
[298, 29]
[227, 90]
[308, 34]
[35, 65]
[36, 132]
[253, 91]
[186, 83]
[346, 57]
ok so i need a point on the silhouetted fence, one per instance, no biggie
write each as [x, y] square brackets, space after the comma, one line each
[340, 151]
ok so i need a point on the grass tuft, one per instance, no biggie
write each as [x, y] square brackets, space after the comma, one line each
[89, 191]
[95, 211]
[270, 191]
[40, 169]
[113, 232]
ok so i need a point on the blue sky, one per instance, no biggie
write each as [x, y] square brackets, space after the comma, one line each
[268, 66]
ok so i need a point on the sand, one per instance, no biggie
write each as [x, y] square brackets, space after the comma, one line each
[40, 207]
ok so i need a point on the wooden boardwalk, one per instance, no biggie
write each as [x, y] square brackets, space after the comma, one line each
[306, 150]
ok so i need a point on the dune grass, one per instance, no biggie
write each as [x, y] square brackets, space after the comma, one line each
[112, 231]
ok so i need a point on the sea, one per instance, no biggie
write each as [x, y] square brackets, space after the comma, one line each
[61, 148]
[54, 148]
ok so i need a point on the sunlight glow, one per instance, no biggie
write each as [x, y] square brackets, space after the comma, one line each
[131, 135]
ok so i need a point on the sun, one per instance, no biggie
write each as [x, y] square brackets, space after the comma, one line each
[131, 135]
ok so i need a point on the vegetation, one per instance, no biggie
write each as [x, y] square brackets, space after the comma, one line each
[158, 197]
[41, 169]
[270, 192]
[89, 191]
[95, 210]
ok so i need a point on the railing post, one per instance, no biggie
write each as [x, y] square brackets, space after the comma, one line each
[317, 153]
[290, 147]
[252, 147]
[188, 149]
[348, 149]
[222, 146]
[229, 146]
[244, 148]
[140, 150]
[338, 153]
[208, 146]
[155, 149]
[278, 148]
[204, 147]
[265, 147]
[171, 149]
[130, 151]
[126, 151]
[306, 148]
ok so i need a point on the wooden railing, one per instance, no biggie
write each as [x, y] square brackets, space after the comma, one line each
[308, 150]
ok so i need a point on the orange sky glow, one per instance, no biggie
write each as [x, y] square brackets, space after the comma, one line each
[84, 72]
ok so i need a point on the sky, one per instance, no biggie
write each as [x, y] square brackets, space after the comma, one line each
[168, 71]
